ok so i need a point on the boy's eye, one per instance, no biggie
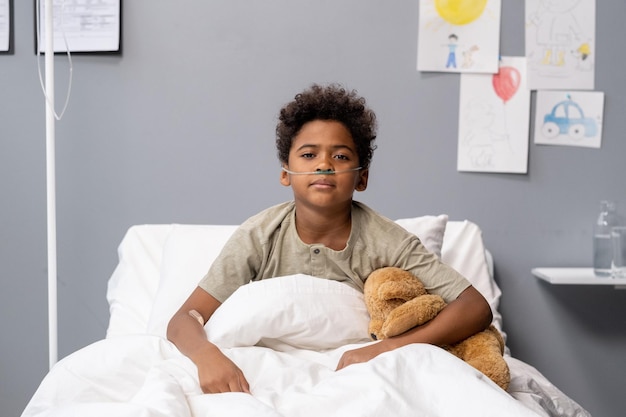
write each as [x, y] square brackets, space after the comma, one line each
[311, 155]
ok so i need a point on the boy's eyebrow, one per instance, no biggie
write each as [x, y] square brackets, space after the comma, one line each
[334, 147]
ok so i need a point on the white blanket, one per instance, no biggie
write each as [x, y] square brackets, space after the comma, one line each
[308, 323]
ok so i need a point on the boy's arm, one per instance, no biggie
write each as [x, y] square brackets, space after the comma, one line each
[463, 317]
[216, 372]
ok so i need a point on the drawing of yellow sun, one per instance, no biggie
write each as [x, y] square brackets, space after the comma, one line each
[460, 12]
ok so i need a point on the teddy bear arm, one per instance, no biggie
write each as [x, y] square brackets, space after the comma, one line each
[375, 326]
[413, 313]
[484, 351]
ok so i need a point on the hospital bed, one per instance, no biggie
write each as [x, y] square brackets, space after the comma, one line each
[287, 335]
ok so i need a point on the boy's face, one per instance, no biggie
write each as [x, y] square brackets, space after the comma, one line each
[324, 145]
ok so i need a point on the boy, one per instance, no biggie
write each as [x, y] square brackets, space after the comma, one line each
[325, 143]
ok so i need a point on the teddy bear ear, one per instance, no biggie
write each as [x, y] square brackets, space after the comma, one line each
[405, 290]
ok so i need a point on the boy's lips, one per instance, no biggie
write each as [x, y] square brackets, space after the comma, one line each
[322, 183]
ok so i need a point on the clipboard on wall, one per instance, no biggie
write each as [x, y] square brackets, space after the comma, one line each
[6, 27]
[83, 27]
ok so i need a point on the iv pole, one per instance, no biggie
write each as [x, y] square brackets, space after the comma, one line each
[51, 186]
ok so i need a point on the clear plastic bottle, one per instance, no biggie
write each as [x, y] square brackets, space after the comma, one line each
[602, 250]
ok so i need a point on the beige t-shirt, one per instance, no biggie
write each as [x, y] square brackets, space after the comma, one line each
[267, 245]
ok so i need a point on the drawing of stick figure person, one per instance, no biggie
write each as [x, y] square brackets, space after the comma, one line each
[452, 44]
[557, 28]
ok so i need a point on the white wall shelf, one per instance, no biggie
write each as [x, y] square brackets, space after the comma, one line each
[576, 276]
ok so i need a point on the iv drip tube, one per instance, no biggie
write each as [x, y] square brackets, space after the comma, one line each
[51, 187]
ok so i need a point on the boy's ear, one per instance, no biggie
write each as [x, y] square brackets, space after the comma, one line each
[284, 177]
[361, 184]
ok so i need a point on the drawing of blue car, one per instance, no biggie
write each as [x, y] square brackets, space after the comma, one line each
[568, 118]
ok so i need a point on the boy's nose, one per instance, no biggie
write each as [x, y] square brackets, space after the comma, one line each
[325, 164]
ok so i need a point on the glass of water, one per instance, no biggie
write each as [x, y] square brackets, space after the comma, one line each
[618, 242]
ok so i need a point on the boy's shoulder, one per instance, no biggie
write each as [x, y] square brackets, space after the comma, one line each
[368, 214]
[373, 220]
[269, 217]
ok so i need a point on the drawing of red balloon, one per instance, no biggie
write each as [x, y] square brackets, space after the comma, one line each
[506, 82]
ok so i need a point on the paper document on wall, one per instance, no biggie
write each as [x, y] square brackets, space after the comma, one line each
[5, 25]
[560, 44]
[569, 118]
[82, 26]
[459, 37]
[494, 115]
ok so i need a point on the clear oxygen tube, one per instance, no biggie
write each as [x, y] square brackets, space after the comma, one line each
[321, 171]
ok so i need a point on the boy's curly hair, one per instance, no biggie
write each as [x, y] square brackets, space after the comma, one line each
[331, 102]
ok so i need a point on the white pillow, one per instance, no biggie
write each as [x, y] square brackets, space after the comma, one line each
[135, 281]
[464, 250]
[188, 253]
[296, 311]
[429, 229]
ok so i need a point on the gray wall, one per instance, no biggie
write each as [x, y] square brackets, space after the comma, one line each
[180, 128]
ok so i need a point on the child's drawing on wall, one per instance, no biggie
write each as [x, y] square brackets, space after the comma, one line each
[494, 117]
[569, 118]
[485, 135]
[452, 44]
[459, 36]
[582, 55]
[560, 43]
[468, 61]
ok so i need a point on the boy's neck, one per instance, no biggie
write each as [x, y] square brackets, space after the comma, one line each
[331, 229]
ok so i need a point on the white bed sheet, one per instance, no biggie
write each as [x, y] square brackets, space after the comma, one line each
[145, 375]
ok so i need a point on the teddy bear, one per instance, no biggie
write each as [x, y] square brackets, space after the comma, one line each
[397, 301]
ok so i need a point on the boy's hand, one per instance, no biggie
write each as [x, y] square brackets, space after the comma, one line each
[363, 354]
[217, 373]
